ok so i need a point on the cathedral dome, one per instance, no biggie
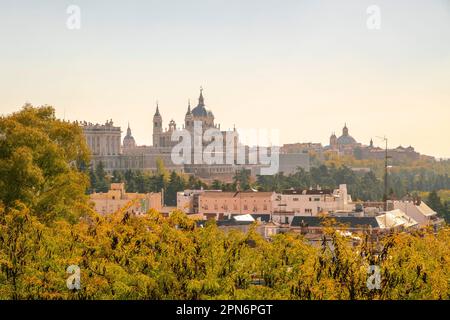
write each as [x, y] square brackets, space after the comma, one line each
[346, 140]
[200, 110]
[128, 141]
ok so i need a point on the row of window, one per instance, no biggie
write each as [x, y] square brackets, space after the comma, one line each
[235, 208]
[127, 164]
[112, 144]
[310, 199]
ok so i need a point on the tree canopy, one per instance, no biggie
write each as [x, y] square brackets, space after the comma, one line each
[41, 163]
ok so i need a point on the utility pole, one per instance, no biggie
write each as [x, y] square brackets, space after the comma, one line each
[385, 196]
[386, 175]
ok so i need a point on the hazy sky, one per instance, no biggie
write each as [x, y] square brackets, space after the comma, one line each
[303, 67]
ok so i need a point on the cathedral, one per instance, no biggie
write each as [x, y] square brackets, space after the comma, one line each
[345, 144]
[162, 138]
[104, 142]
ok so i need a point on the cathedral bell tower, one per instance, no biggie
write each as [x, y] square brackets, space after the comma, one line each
[189, 119]
[157, 127]
[333, 141]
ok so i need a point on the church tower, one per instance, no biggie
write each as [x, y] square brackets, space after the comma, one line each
[157, 127]
[189, 119]
[333, 141]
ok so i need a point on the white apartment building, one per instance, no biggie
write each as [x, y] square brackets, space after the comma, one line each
[313, 201]
[419, 211]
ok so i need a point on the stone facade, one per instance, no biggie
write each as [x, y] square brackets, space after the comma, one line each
[104, 142]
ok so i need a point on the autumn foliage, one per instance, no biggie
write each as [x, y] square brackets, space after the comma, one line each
[47, 225]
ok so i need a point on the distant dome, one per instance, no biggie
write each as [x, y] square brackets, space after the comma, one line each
[200, 111]
[346, 140]
[128, 141]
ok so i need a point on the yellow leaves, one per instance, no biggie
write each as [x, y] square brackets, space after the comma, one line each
[153, 257]
[415, 269]
[37, 161]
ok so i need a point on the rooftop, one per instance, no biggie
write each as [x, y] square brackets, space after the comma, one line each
[308, 191]
[226, 194]
[352, 222]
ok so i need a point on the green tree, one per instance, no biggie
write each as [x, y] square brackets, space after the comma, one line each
[117, 176]
[434, 201]
[175, 184]
[242, 178]
[102, 183]
[216, 185]
[40, 157]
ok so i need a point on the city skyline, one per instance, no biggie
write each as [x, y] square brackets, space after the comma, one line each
[304, 68]
[344, 131]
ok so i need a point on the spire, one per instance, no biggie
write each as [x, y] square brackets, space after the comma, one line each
[157, 109]
[128, 130]
[201, 101]
[345, 130]
[189, 107]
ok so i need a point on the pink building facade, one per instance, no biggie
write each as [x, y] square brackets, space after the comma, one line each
[216, 204]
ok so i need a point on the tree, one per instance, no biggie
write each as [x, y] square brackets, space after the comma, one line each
[40, 157]
[117, 176]
[434, 202]
[161, 169]
[93, 181]
[102, 184]
[242, 178]
[175, 184]
[130, 181]
[216, 185]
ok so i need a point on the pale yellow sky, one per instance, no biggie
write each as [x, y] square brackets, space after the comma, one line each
[305, 68]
